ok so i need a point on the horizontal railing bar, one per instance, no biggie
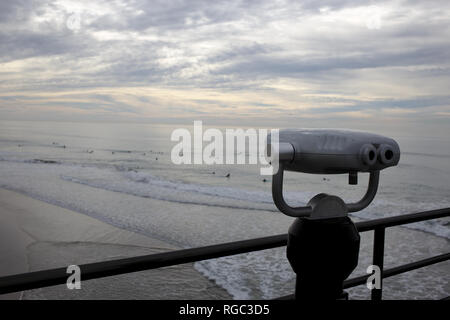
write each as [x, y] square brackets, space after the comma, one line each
[399, 269]
[415, 265]
[45, 278]
[402, 219]
[357, 281]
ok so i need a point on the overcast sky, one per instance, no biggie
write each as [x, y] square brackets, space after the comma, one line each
[324, 63]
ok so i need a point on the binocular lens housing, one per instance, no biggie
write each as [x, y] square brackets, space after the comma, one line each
[368, 154]
[322, 151]
[385, 154]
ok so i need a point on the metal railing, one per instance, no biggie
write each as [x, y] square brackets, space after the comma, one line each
[51, 277]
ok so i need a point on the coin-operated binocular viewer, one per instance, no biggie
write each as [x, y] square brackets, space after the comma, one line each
[323, 242]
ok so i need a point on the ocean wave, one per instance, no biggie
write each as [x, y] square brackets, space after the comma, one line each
[172, 192]
[147, 185]
[127, 179]
[218, 191]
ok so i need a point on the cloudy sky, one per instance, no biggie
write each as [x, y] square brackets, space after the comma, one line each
[324, 63]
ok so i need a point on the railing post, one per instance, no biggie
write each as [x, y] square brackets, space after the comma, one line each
[378, 260]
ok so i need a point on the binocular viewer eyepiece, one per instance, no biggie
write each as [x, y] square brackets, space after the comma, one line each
[333, 151]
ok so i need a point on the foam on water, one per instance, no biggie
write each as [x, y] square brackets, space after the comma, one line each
[127, 180]
[148, 185]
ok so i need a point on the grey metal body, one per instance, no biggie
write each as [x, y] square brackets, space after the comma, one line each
[305, 211]
[321, 151]
[334, 151]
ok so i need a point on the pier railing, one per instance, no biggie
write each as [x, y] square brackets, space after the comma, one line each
[51, 277]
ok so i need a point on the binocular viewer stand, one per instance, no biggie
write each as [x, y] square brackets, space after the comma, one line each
[323, 242]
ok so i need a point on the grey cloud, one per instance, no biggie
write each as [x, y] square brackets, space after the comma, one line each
[244, 62]
[20, 45]
[18, 10]
[357, 105]
[276, 66]
[244, 50]
[241, 58]
[163, 15]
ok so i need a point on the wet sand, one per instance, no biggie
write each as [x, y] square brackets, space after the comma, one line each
[35, 235]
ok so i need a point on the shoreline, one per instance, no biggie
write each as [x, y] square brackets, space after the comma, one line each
[35, 235]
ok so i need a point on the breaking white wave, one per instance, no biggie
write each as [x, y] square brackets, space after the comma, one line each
[126, 179]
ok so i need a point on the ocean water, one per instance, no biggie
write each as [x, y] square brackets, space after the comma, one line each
[121, 173]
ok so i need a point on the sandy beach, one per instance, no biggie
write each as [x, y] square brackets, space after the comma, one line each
[35, 235]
